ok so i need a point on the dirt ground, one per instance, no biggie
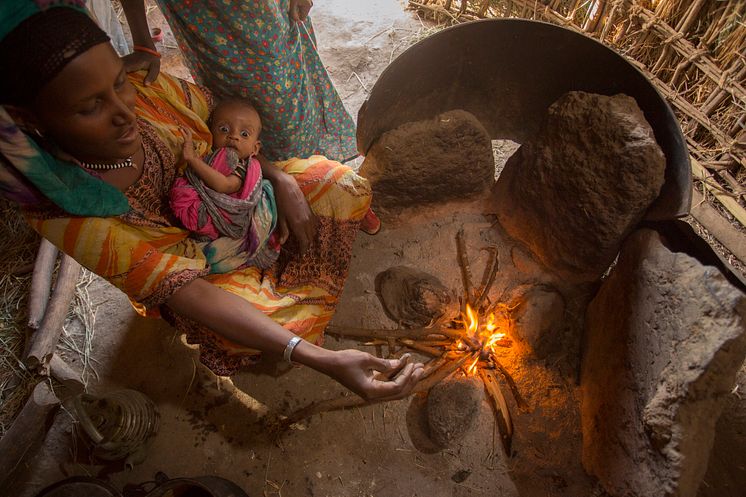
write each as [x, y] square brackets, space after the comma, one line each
[211, 425]
[216, 426]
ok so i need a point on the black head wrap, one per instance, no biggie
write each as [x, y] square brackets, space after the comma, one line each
[40, 47]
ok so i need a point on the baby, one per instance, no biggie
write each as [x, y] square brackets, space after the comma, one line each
[224, 195]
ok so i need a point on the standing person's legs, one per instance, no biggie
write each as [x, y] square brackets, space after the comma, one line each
[258, 53]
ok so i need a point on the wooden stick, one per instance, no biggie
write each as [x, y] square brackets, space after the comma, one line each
[520, 402]
[421, 348]
[27, 430]
[436, 343]
[463, 262]
[502, 413]
[41, 282]
[433, 365]
[718, 226]
[62, 372]
[490, 273]
[729, 203]
[23, 270]
[45, 339]
[384, 334]
[438, 375]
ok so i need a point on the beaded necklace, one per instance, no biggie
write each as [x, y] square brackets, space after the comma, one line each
[106, 167]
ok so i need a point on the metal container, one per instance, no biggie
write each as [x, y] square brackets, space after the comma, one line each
[120, 424]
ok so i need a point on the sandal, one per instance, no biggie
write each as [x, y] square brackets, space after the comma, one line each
[370, 223]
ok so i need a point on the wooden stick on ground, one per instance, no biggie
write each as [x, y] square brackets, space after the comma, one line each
[24, 269]
[44, 340]
[433, 365]
[441, 373]
[490, 273]
[519, 401]
[502, 413]
[463, 262]
[421, 348]
[41, 282]
[27, 430]
[62, 372]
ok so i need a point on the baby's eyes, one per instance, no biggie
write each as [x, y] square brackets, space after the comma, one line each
[224, 128]
[245, 133]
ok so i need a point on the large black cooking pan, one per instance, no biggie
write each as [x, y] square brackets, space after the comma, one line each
[507, 72]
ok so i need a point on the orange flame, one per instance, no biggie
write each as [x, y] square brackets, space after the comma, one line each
[472, 369]
[485, 335]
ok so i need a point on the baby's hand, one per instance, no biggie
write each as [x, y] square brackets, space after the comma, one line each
[188, 148]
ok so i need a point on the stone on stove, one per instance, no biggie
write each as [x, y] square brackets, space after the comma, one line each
[538, 315]
[412, 297]
[445, 158]
[575, 191]
[452, 407]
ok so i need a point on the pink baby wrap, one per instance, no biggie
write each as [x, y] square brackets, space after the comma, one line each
[241, 224]
[186, 201]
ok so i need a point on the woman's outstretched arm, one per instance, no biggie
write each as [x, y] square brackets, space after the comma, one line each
[236, 319]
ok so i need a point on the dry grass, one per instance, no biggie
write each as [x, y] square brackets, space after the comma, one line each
[18, 245]
[76, 343]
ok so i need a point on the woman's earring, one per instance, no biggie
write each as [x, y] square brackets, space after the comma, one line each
[38, 133]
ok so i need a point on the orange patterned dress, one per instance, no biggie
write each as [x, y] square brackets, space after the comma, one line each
[148, 257]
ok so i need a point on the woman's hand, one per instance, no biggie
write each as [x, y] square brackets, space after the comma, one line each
[143, 60]
[293, 212]
[299, 9]
[374, 378]
[137, 19]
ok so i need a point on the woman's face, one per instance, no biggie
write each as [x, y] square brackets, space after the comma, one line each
[88, 108]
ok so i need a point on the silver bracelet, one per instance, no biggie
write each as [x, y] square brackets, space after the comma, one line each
[289, 348]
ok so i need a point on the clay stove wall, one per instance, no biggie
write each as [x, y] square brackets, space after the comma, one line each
[664, 339]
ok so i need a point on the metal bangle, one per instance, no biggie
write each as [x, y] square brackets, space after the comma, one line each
[289, 348]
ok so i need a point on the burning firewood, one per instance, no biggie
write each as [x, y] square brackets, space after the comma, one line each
[469, 343]
[442, 372]
[421, 348]
[382, 333]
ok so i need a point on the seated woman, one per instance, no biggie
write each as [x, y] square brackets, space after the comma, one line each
[102, 198]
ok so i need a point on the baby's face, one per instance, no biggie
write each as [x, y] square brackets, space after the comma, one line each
[237, 126]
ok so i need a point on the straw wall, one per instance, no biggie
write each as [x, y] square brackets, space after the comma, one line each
[693, 50]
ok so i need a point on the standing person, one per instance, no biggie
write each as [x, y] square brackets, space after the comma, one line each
[262, 50]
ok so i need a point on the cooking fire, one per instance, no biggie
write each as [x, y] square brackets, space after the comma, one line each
[468, 343]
